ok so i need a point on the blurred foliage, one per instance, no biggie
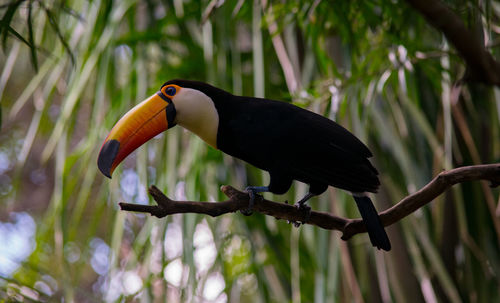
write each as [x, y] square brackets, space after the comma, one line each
[71, 68]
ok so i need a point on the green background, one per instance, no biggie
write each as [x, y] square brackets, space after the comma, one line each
[70, 69]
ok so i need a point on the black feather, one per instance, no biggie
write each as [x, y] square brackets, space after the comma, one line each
[292, 143]
[375, 229]
[289, 142]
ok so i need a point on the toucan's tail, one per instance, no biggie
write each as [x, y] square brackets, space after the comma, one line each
[375, 229]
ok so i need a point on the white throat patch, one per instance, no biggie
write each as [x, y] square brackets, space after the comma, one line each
[197, 113]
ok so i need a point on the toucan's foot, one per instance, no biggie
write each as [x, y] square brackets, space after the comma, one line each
[252, 192]
[306, 209]
[251, 203]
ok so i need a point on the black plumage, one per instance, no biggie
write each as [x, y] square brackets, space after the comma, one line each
[292, 143]
[289, 142]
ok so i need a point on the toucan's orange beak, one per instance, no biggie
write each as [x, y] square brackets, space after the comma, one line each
[146, 120]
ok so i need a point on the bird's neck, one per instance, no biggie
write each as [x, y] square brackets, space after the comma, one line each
[197, 113]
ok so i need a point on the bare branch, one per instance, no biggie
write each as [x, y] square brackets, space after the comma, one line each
[481, 66]
[238, 200]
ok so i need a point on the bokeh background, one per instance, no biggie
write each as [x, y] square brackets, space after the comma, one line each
[70, 69]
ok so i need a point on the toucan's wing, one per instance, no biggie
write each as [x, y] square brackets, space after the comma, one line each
[329, 153]
[278, 136]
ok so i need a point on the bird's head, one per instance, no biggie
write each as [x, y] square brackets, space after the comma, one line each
[182, 102]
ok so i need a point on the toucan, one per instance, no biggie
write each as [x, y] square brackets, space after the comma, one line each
[288, 142]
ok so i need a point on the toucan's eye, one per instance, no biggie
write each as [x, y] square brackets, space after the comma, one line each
[170, 91]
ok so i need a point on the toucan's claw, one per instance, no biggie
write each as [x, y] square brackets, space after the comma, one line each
[306, 209]
[251, 202]
[252, 192]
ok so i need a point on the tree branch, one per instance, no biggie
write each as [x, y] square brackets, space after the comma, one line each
[238, 200]
[481, 66]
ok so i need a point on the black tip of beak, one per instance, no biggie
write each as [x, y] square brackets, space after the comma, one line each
[107, 156]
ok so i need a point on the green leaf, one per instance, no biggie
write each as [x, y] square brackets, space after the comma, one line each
[34, 59]
[7, 19]
[18, 36]
[55, 26]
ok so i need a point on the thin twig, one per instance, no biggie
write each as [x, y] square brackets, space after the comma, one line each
[238, 200]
